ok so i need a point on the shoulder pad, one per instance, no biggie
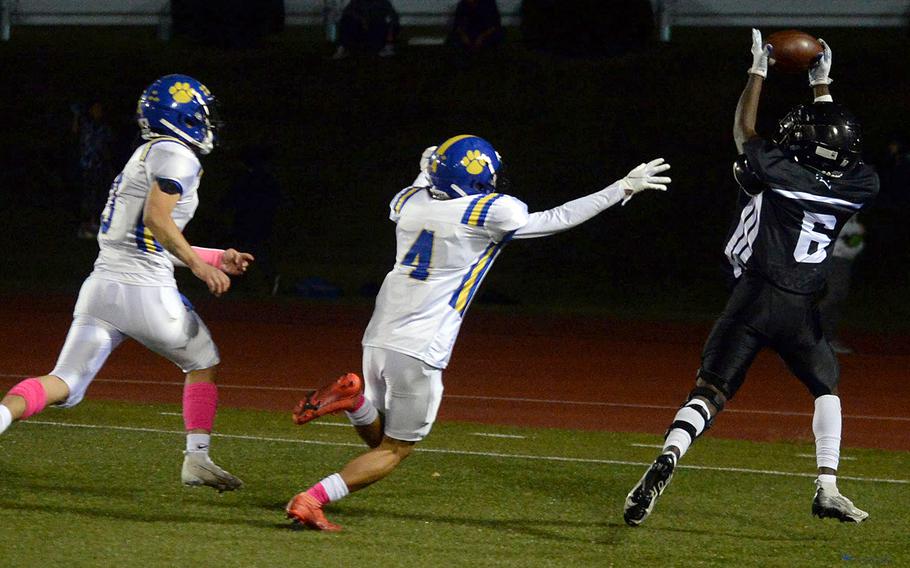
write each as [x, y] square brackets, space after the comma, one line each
[746, 177]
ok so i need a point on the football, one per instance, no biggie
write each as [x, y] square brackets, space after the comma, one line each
[793, 51]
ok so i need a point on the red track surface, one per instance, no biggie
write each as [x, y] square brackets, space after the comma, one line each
[616, 368]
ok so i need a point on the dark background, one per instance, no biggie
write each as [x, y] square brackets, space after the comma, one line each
[347, 136]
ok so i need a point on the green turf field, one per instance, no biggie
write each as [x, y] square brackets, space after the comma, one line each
[108, 494]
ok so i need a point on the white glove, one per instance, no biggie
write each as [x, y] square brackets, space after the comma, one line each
[818, 74]
[760, 55]
[425, 158]
[644, 176]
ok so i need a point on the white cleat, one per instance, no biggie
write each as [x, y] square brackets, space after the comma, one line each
[199, 469]
[831, 504]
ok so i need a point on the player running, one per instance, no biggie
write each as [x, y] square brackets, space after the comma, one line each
[132, 291]
[799, 191]
[451, 227]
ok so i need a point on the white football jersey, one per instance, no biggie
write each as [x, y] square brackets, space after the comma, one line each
[445, 249]
[129, 252]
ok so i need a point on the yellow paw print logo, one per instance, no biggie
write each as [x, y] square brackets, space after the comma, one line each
[475, 162]
[182, 92]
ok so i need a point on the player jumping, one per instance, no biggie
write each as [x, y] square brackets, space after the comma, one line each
[132, 291]
[799, 191]
[451, 227]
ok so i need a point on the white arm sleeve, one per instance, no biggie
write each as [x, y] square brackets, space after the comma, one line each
[570, 214]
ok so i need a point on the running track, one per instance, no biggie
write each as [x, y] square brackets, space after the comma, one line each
[550, 371]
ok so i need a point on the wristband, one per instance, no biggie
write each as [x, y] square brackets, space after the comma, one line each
[212, 257]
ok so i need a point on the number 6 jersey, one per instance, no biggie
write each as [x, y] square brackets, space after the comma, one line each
[786, 231]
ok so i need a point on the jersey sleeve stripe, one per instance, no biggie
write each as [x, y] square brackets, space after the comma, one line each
[408, 193]
[818, 198]
[486, 208]
[477, 211]
[145, 240]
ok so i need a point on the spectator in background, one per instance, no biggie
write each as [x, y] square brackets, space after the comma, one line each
[847, 247]
[93, 138]
[254, 200]
[477, 26]
[368, 25]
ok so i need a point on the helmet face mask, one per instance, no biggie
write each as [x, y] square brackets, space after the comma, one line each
[464, 165]
[823, 136]
[179, 106]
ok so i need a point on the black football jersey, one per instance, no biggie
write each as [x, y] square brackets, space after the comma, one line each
[787, 230]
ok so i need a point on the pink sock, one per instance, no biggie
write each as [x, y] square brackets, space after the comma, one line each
[200, 400]
[359, 403]
[318, 492]
[35, 397]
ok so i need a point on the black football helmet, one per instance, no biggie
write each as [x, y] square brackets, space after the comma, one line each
[823, 136]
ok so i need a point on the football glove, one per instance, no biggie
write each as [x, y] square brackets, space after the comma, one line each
[818, 73]
[760, 55]
[425, 158]
[644, 176]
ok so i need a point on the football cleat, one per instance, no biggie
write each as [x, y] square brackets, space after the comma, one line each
[199, 470]
[305, 510]
[640, 501]
[342, 394]
[830, 504]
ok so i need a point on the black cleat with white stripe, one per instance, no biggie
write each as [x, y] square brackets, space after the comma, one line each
[640, 501]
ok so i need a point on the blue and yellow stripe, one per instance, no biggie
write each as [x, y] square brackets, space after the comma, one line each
[145, 240]
[462, 297]
[405, 195]
[476, 213]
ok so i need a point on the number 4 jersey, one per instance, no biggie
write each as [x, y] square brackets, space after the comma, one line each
[445, 249]
[786, 231]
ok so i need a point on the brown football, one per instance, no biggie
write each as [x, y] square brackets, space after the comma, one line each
[793, 51]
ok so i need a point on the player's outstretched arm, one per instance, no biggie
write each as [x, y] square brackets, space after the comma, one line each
[575, 212]
[747, 107]
[157, 217]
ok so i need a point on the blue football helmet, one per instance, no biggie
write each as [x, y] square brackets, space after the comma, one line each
[179, 106]
[464, 165]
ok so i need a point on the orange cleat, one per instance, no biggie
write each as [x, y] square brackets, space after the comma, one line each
[305, 510]
[341, 394]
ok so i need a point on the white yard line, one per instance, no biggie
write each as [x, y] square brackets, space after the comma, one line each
[463, 452]
[490, 435]
[504, 399]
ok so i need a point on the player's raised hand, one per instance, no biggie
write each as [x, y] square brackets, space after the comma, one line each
[217, 281]
[234, 262]
[425, 158]
[645, 176]
[818, 73]
[760, 53]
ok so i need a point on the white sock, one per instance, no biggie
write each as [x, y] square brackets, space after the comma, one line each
[5, 418]
[826, 424]
[829, 482]
[198, 443]
[693, 421]
[365, 415]
[335, 487]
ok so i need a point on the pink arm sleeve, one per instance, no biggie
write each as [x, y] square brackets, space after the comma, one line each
[212, 257]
